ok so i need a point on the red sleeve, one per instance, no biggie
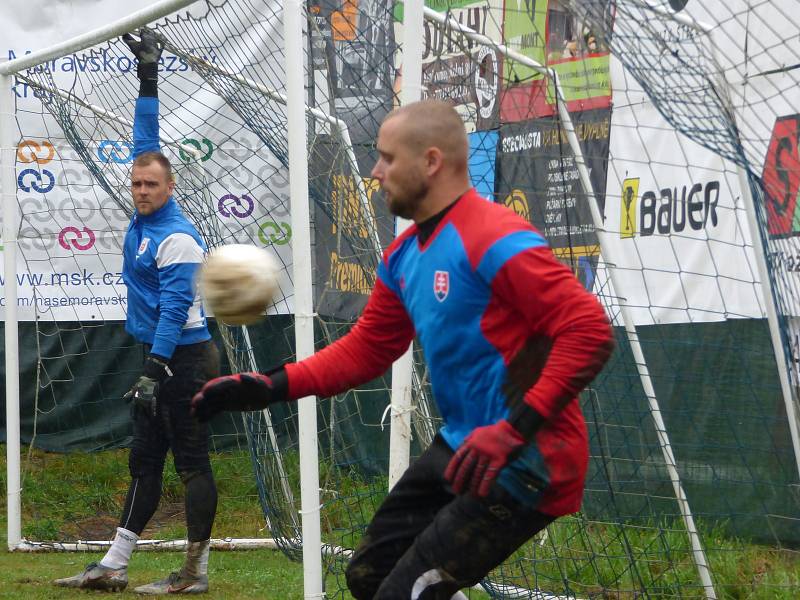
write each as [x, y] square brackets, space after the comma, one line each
[556, 305]
[379, 337]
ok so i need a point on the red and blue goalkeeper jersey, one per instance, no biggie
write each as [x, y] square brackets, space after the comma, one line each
[500, 321]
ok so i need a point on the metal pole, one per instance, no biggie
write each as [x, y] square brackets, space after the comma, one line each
[97, 36]
[402, 369]
[303, 300]
[8, 185]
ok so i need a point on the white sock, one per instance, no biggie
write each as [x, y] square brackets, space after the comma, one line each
[202, 564]
[119, 555]
[196, 564]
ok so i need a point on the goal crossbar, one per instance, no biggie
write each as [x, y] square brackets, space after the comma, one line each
[125, 25]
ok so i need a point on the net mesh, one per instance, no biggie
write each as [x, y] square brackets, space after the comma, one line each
[662, 147]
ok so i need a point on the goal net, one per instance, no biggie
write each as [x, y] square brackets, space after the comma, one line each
[663, 147]
[223, 125]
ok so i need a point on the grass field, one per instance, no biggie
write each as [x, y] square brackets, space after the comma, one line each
[88, 508]
[233, 575]
[69, 497]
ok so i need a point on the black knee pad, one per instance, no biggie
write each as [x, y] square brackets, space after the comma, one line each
[361, 580]
[201, 503]
[188, 475]
[145, 466]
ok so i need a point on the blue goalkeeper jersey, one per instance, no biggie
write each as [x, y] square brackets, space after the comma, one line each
[162, 254]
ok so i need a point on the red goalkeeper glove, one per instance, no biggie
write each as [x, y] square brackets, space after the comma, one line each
[488, 450]
[240, 392]
[479, 460]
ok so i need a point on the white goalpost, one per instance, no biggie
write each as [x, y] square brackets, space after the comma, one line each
[11, 337]
[304, 307]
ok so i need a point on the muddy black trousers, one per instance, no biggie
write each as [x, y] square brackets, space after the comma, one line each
[426, 543]
[173, 428]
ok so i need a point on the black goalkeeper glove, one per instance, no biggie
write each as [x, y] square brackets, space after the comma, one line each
[144, 393]
[240, 392]
[147, 50]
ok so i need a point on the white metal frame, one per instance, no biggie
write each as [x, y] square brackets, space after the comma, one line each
[11, 337]
[303, 300]
[403, 368]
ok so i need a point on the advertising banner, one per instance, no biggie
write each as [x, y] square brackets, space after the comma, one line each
[75, 201]
[677, 226]
[353, 61]
[537, 178]
[549, 34]
[346, 249]
[458, 70]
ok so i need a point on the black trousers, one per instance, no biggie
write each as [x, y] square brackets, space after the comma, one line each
[174, 428]
[426, 543]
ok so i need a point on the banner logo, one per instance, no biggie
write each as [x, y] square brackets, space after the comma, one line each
[347, 205]
[29, 151]
[280, 233]
[441, 285]
[692, 206]
[627, 217]
[781, 177]
[486, 81]
[110, 151]
[236, 206]
[187, 157]
[36, 184]
[351, 277]
[72, 237]
[518, 202]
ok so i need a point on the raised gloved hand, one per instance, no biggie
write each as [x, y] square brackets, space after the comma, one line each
[144, 393]
[147, 50]
[240, 392]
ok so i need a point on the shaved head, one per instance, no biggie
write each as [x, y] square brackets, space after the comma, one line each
[433, 123]
[422, 159]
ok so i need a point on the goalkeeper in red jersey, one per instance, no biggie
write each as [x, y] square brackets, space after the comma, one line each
[510, 336]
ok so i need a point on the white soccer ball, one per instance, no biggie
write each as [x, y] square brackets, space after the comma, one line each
[238, 282]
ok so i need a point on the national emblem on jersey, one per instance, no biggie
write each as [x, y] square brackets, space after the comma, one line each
[441, 285]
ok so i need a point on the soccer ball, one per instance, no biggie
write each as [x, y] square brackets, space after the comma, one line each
[238, 282]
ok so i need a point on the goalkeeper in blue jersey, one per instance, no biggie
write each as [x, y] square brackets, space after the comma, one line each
[161, 255]
[510, 337]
